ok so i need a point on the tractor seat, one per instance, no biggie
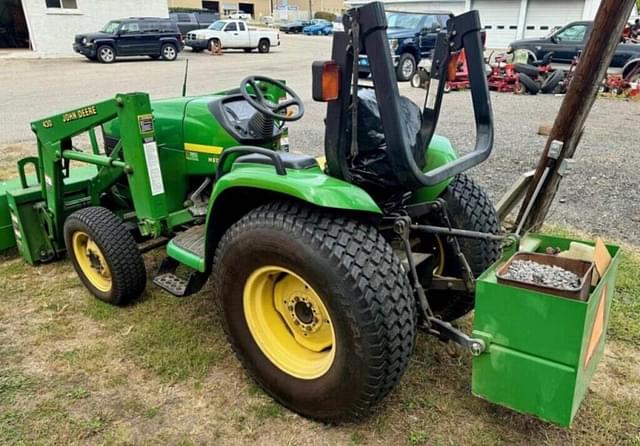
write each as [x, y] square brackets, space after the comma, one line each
[289, 160]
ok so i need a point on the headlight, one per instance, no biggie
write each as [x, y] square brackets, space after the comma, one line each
[84, 41]
[393, 44]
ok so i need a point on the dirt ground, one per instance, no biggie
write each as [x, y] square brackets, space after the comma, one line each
[76, 371]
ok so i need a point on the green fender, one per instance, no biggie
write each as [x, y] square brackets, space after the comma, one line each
[249, 185]
[440, 152]
[310, 185]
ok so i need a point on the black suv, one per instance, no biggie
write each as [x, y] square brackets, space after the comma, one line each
[135, 36]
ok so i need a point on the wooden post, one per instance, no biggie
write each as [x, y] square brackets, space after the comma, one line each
[567, 128]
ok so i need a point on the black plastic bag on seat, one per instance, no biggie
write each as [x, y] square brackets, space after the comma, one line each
[371, 166]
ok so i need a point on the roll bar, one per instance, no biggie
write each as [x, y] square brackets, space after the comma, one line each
[367, 26]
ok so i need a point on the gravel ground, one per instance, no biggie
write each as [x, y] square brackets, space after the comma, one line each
[599, 196]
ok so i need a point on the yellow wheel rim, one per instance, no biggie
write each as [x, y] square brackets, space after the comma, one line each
[289, 322]
[91, 261]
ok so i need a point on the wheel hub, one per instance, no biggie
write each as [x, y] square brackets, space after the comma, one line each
[289, 322]
[91, 261]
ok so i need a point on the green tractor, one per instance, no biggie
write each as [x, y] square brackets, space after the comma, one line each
[325, 268]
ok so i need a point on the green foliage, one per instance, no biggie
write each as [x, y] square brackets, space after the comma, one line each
[325, 16]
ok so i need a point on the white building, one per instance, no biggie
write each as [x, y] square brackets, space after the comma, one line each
[507, 20]
[48, 27]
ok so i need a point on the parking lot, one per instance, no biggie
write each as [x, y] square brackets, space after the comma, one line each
[598, 191]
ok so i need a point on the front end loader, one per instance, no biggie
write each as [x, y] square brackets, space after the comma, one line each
[325, 269]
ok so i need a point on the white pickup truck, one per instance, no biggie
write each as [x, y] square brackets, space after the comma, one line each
[232, 34]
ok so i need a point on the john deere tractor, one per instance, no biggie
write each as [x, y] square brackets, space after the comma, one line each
[325, 269]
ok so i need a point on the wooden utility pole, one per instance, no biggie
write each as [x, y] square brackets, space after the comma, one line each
[567, 128]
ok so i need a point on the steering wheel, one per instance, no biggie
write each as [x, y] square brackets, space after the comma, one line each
[264, 105]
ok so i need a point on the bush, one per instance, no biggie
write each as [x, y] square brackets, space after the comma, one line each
[325, 16]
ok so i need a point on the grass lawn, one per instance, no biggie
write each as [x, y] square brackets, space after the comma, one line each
[77, 371]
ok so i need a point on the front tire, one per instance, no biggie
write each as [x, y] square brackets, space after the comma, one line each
[105, 255]
[106, 54]
[317, 308]
[406, 67]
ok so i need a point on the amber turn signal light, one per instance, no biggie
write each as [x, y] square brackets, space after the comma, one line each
[326, 81]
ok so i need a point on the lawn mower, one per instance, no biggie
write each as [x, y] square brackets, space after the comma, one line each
[325, 269]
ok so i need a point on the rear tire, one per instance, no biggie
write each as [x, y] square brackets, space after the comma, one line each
[468, 208]
[105, 255]
[351, 269]
[169, 52]
[264, 46]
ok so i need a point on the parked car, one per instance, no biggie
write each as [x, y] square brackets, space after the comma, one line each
[319, 27]
[233, 34]
[295, 27]
[412, 37]
[141, 36]
[567, 42]
[188, 21]
[240, 15]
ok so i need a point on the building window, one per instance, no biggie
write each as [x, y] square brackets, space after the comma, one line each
[211, 6]
[62, 4]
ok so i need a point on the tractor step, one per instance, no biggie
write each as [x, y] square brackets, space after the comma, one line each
[167, 279]
[191, 240]
[188, 247]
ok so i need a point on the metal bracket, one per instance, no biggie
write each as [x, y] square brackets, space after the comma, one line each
[566, 166]
[554, 149]
[447, 332]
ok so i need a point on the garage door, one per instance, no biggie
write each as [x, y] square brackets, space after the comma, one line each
[500, 20]
[455, 7]
[544, 15]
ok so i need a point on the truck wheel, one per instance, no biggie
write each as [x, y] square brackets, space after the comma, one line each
[105, 255]
[406, 67]
[469, 208]
[169, 52]
[264, 46]
[317, 308]
[106, 54]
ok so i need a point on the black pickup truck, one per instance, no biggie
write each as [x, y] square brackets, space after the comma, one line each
[569, 40]
[188, 21]
[412, 37]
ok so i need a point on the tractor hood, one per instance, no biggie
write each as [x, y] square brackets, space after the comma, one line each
[93, 36]
[529, 42]
[400, 33]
